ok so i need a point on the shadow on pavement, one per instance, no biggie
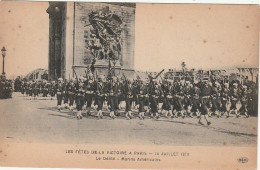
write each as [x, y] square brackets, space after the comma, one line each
[213, 128]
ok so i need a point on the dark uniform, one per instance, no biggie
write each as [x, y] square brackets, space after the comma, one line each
[36, 89]
[153, 99]
[234, 95]
[52, 89]
[100, 96]
[45, 88]
[188, 99]
[244, 104]
[30, 89]
[66, 94]
[166, 99]
[195, 100]
[129, 91]
[179, 100]
[114, 89]
[224, 94]
[80, 93]
[71, 94]
[141, 92]
[59, 91]
[206, 92]
[215, 98]
[89, 94]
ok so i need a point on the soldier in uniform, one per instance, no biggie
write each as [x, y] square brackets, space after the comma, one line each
[89, 89]
[146, 97]
[205, 102]
[45, 88]
[141, 92]
[2, 88]
[179, 99]
[6, 88]
[196, 100]
[52, 89]
[114, 89]
[166, 99]
[234, 99]
[128, 90]
[134, 93]
[244, 103]
[27, 89]
[174, 101]
[66, 94]
[153, 98]
[121, 96]
[59, 92]
[100, 95]
[36, 90]
[252, 99]
[224, 94]
[215, 98]
[30, 89]
[187, 99]
[22, 87]
[71, 93]
[80, 95]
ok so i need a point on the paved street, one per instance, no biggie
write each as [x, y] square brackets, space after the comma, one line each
[24, 120]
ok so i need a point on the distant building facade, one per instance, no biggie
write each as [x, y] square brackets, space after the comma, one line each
[90, 37]
[225, 75]
[38, 74]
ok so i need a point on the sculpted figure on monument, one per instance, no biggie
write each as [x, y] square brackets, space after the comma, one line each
[104, 41]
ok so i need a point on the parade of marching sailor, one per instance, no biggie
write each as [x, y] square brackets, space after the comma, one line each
[89, 80]
[151, 97]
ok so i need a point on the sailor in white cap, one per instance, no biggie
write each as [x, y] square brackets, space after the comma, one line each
[59, 90]
[234, 99]
[80, 92]
[100, 92]
[224, 95]
[65, 94]
[89, 89]
[71, 92]
[244, 102]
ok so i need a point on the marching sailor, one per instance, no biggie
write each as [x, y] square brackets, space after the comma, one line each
[60, 89]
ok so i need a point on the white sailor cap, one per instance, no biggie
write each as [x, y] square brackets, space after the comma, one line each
[114, 78]
[155, 80]
[170, 81]
[101, 77]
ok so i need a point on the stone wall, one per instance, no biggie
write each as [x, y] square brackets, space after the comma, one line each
[63, 40]
[57, 38]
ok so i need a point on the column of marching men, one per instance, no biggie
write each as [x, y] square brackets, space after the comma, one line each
[150, 98]
[6, 88]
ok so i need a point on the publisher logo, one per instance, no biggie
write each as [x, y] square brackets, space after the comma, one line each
[242, 160]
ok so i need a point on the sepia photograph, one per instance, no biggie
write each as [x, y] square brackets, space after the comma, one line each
[104, 79]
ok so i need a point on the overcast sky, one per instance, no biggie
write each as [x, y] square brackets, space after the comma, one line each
[24, 33]
[204, 36]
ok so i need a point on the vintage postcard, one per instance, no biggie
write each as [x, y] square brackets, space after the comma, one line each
[128, 85]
